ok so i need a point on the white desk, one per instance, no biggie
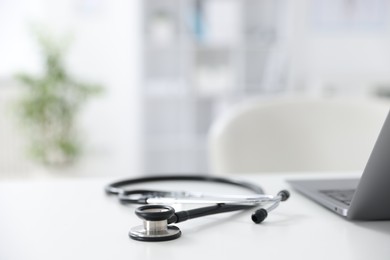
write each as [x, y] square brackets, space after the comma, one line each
[74, 219]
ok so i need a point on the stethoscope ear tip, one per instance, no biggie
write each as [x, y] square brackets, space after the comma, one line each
[259, 216]
[284, 194]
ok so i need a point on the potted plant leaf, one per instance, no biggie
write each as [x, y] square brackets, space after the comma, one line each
[50, 104]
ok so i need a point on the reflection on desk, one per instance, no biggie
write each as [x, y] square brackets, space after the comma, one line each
[74, 219]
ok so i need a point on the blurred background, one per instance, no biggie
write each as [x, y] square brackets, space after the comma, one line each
[169, 68]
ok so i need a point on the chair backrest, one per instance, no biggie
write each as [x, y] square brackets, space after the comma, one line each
[296, 135]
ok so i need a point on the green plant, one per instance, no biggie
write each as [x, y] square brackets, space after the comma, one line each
[50, 104]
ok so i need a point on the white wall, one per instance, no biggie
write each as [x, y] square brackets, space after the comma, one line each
[105, 49]
[348, 54]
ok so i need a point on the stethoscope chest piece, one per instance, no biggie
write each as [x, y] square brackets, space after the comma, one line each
[155, 227]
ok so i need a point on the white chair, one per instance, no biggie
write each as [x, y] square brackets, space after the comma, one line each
[296, 135]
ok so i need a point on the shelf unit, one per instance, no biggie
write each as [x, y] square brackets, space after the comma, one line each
[201, 56]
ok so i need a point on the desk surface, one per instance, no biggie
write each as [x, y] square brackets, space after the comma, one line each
[74, 219]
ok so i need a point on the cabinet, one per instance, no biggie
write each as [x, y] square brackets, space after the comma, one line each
[201, 56]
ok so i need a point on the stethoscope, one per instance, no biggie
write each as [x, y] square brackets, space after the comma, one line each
[157, 216]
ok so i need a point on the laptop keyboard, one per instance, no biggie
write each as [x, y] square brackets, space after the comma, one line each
[343, 196]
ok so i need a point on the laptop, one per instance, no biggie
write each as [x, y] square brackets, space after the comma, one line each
[364, 199]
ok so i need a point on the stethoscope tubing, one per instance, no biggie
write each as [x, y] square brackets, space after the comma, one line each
[206, 211]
